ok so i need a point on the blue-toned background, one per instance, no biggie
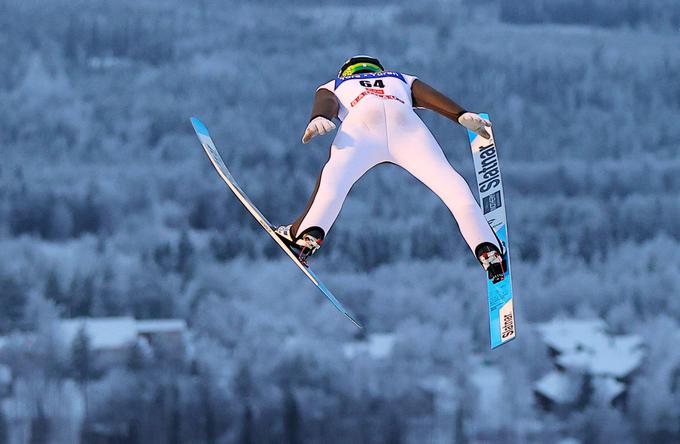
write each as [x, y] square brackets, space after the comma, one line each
[139, 303]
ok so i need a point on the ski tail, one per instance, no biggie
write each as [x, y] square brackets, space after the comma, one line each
[492, 201]
[216, 159]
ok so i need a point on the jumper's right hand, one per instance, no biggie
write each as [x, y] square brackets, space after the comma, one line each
[317, 127]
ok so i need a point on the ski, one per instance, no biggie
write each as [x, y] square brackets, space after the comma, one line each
[492, 201]
[214, 156]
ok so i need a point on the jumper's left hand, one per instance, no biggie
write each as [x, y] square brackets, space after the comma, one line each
[475, 123]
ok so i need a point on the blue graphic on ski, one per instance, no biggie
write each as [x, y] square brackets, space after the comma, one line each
[492, 201]
[218, 163]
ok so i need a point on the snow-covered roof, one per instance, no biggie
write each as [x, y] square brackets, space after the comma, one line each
[564, 388]
[103, 333]
[161, 326]
[559, 387]
[22, 340]
[439, 384]
[5, 374]
[583, 344]
[115, 332]
[608, 359]
[377, 345]
[606, 389]
[567, 334]
[489, 381]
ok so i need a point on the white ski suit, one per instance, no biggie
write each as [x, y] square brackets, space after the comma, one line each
[380, 125]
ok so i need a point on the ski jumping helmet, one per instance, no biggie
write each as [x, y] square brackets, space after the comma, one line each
[359, 64]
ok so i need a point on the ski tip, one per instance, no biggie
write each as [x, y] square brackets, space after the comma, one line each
[199, 127]
[351, 318]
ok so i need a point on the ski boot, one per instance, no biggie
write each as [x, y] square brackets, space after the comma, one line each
[492, 261]
[306, 244]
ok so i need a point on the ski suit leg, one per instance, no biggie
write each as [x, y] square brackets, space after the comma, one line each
[351, 155]
[413, 148]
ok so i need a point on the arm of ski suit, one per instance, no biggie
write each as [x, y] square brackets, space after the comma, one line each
[325, 108]
[424, 96]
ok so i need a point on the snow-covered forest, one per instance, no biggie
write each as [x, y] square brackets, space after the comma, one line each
[110, 208]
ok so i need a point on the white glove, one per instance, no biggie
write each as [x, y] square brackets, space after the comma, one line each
[475, 123]
[317, 127]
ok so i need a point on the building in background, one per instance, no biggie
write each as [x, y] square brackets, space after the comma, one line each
[590, 365]
[111, 339]
[32, 400]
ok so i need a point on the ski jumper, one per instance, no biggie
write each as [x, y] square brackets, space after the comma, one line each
[379, 125]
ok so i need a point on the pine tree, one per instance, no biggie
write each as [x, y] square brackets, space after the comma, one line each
[135, 358]
[244, 389]
[393, 432]
[174, 431]
[81, 356]
[292, 420]
[205, 389]
[247, 426]
[82, 295]
[53, 289]
[40, 427]
[3, 428]
[12, 300]
[185, 252]
[82, 368]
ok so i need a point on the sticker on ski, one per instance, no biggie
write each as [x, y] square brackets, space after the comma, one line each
[223, 171]
[492, 201]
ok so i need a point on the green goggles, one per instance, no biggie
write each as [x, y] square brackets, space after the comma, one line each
[360, 67]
